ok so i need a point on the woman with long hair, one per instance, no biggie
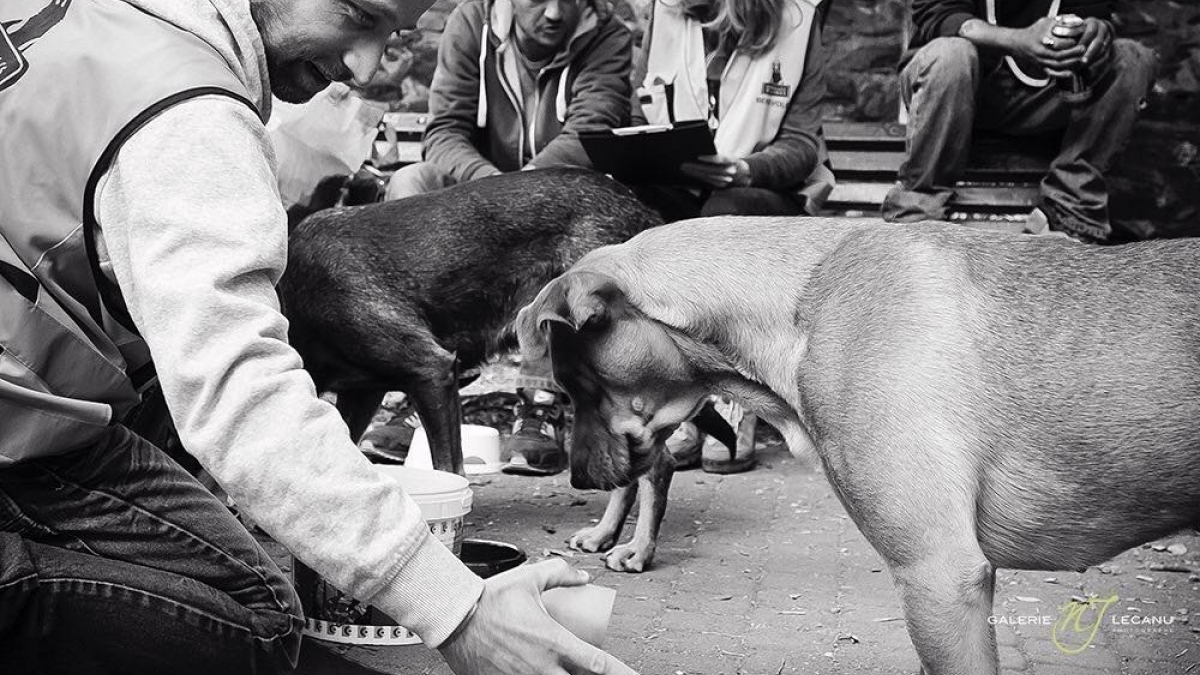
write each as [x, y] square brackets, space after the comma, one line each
[754, 69]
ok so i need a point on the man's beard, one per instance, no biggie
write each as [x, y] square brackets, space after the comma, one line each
[281, 75]
[284, 85]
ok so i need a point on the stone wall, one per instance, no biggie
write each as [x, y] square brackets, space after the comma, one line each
[1155, 183]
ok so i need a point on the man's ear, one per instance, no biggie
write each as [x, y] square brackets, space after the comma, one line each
[574, 302]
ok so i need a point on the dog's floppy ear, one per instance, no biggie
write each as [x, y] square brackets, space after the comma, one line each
[573, 302]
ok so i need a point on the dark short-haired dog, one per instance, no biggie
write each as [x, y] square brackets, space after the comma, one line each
[978, 399]
[401, 295]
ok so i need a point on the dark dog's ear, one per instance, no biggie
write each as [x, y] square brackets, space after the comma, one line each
[574, 302]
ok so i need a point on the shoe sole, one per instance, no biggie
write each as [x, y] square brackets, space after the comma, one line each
[378, 456]
[726, 467]
[523, 470]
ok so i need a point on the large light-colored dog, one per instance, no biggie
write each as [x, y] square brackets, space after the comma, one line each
[979, 400]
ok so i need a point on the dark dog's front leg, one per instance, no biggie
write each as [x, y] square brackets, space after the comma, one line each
[437, 404]
[604, 534]
[358, 407]
[636, 554]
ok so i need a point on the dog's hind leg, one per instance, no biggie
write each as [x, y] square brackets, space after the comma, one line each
[915, 503]
[358, 407]
[637, 553]
[947, 600]
[605, 534]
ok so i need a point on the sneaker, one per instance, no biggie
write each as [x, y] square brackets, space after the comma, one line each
[1038, 224]
[389, 443]
[535, 447]
[684, 446]
[715, 457]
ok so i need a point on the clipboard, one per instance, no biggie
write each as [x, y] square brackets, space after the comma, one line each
[648, 154]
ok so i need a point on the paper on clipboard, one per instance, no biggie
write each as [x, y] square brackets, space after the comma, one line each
[651, 153]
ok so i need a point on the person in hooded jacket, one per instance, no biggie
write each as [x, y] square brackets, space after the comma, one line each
[141, 235]
[516, 80]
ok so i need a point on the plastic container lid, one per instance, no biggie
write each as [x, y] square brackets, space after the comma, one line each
[440, 494]
[480, 446]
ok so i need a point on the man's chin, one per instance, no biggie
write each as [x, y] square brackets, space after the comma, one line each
[295, 84]
[289, 93]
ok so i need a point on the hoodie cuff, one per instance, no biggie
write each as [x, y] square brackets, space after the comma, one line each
[432, 594]
[952, 24]
[758, 169]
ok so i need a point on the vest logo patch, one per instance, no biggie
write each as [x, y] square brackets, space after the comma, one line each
[774, 88]
[16, 36]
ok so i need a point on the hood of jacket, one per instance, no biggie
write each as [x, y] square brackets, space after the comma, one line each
[227, 26]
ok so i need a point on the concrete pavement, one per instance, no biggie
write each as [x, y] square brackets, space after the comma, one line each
[763, 573]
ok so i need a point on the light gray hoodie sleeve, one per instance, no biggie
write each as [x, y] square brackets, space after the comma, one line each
[196, 236]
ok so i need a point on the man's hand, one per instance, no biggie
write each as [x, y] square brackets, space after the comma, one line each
[1055, 48]
[510, 632]
[717, 171]
[1064, 49]
[1096, 38]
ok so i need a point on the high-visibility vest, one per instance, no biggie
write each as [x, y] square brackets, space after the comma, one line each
[77, 79]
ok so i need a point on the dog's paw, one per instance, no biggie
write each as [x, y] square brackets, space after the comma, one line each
[630, 557]
[592, 540]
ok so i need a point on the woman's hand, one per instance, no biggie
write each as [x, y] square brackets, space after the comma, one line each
[510, 632]
[718, 171]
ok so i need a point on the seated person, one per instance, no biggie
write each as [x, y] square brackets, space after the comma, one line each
[755, 70]
[1011, 66]
[517, 99]
[515, 82]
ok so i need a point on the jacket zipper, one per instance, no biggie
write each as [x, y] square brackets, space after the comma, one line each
[512, 98]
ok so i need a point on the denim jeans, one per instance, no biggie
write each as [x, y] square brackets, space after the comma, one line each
[417, 179]
[678, 203]
[950, 91]
[113, 559]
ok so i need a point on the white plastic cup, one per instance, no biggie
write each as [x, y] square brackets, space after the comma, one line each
[480, 444]
[583, 610]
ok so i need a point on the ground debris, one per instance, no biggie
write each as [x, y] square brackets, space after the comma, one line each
[1181, 569]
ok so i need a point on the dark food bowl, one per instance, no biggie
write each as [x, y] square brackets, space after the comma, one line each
[488, 558]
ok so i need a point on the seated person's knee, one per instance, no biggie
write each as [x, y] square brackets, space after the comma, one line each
[1134, 65]
[945, 58]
